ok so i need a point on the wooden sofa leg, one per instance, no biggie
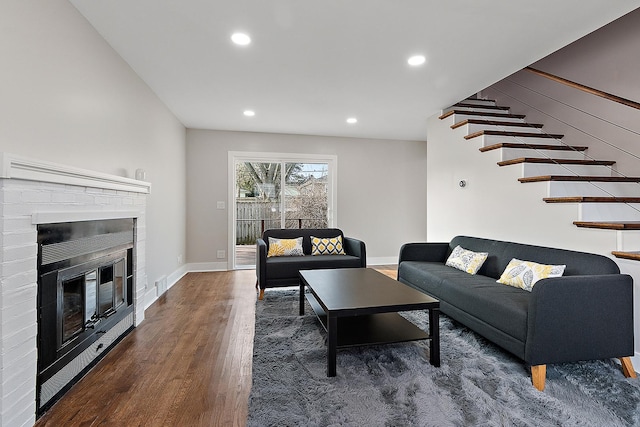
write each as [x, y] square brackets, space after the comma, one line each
[261, 295]
[627, 367]
[538, 376]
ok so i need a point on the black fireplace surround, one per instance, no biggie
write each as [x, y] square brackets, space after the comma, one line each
[85, 288]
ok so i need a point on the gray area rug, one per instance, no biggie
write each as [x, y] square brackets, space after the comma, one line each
[478, 384]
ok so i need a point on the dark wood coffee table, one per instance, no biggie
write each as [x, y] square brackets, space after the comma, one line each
[359, 306]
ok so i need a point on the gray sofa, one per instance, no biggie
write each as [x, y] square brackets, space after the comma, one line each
[586, 314]
[283, 271]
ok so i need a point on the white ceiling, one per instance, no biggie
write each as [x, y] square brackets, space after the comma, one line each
[312, 64]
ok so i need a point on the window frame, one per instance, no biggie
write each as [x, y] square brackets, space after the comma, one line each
[269, 157]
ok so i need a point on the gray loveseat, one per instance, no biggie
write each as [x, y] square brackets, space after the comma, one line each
[586, 314]
[283, 270]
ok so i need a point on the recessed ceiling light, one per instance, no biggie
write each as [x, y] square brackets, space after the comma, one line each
[416, 60]
[241, 39]
[249, 113]
[352, 120]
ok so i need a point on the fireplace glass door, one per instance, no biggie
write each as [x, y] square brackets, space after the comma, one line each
[90, 296]
[111, 287]
[72, 316]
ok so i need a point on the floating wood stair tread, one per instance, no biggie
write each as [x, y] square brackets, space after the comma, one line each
[533, 147]
[481, 114]
[591, 199]
[479, 99]
[611, 225]
[556, 161]
[627, 255]
[514, 134]
[579, 178]
[485, 107]
[495, 123]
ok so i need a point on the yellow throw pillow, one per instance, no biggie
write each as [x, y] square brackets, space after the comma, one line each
[327, 246]
[525, 274]
[285, 247]
[466, 260]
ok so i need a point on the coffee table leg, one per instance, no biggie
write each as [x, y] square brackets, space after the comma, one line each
[332, 344]
[434, 333]
[301, 298]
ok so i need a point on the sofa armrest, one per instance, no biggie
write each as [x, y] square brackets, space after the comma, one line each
[261, 262]
[357, 248]
[430, 252]
[574, 318]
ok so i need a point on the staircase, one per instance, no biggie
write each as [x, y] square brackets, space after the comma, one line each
[607, 199]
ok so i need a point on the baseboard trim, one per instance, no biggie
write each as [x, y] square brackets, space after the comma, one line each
[152, 296]
[198, 267]
[382, 261]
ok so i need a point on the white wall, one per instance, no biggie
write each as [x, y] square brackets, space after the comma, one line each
[495, 204]
[66, 96]
[381, 188]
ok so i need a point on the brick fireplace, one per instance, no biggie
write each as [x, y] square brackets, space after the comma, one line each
[34, 192]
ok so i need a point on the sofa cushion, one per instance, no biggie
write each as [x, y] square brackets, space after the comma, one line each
[466, 260]
[525, 274]
[327, 246]
[503, 307]
[285, 247]
[281, 267]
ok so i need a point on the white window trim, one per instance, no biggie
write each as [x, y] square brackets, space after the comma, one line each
[235, 156]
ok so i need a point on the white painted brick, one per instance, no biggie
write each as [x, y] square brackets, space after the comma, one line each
[36, 196]
[65, 197]
[23, 413]
[17, 210]
[21, 356]
[19, 414]
[19, 282]
[90, 190]
[17, 223]
[98, 200]
[85, 199]
[19, 382]
[18, 253]
[17, 267]
[8, 195]
[17, 316]
[18, 309]
[17, 345]
[19, 238]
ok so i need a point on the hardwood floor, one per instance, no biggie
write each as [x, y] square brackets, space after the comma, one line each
[187, 364]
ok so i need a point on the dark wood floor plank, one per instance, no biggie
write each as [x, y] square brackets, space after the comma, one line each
[188, 363]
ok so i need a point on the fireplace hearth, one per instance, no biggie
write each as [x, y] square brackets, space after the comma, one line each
[85, 284]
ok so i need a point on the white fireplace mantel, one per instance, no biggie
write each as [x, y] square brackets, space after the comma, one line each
[17, 167]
